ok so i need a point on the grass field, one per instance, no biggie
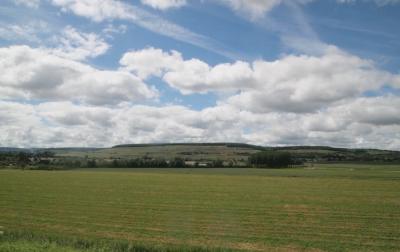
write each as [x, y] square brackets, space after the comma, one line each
[321, 208]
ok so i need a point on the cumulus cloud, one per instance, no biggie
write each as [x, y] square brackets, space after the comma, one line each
[150, 61]
[307, 83]
[291, 84]
[69, 124]
[188, 76]
[30, 74]
[290, 101]
[382, 110]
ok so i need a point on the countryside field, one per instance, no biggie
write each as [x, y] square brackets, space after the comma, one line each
[342, 207]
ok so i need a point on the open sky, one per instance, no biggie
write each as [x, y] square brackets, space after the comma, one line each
[268, 72]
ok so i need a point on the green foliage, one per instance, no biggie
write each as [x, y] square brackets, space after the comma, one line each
[218, 163]
[271, 159]
[24, 159]
[145, 162]
[91, 163]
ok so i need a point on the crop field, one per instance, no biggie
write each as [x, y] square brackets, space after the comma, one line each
[343, 207]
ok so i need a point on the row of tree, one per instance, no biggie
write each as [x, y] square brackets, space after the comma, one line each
[150, 163]
[271, 159]
[46, 160]
[23, 159]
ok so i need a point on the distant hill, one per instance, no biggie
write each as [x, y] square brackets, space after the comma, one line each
[229, 145]
[331, 154]
[236, 153]
[12, 149]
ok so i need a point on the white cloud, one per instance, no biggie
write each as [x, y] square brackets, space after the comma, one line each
[252, 8]
[68, 124]
[69, 43]
[31, 74]
[164, 4]
[28, 3]
[23, 32]
[307, 83]
[79, 45]
[382, 110]
[291, 84]
[188, 76]
[150, 61]
[195, 76]
[110, 30]
[97, 10]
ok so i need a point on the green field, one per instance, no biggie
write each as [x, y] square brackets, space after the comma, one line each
[320, 208]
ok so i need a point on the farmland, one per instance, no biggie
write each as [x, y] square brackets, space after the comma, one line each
[331, 207]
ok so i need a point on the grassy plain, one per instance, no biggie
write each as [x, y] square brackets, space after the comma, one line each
[343, 207]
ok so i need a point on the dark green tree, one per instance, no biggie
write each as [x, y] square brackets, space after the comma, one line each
[271, 159]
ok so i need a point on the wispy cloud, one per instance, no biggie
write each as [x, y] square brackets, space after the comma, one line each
[346, 26]
[292, 25]
[28, 3]
[23, 32]
[164, 4]
[109, 9]
[378, 2]
[76, 45]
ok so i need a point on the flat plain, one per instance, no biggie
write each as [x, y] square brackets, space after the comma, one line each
[336, 207]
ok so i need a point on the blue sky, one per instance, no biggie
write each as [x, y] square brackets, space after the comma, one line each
[270, 72]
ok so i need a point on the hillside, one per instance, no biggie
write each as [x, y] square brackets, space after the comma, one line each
[230, 151]
[201, 152]
[183, 155]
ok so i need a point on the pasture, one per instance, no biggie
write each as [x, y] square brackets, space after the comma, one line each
[342, 207]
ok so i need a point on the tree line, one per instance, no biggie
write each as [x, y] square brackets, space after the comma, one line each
[47, 160]
[271, 159]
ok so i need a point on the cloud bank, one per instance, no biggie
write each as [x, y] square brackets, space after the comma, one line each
[289, 101]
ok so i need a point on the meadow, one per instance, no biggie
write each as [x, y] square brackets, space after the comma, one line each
[335, 207]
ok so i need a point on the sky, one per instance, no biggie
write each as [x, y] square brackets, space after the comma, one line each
[97, 73]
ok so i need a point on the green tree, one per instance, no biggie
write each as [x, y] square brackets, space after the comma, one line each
[271, 159]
